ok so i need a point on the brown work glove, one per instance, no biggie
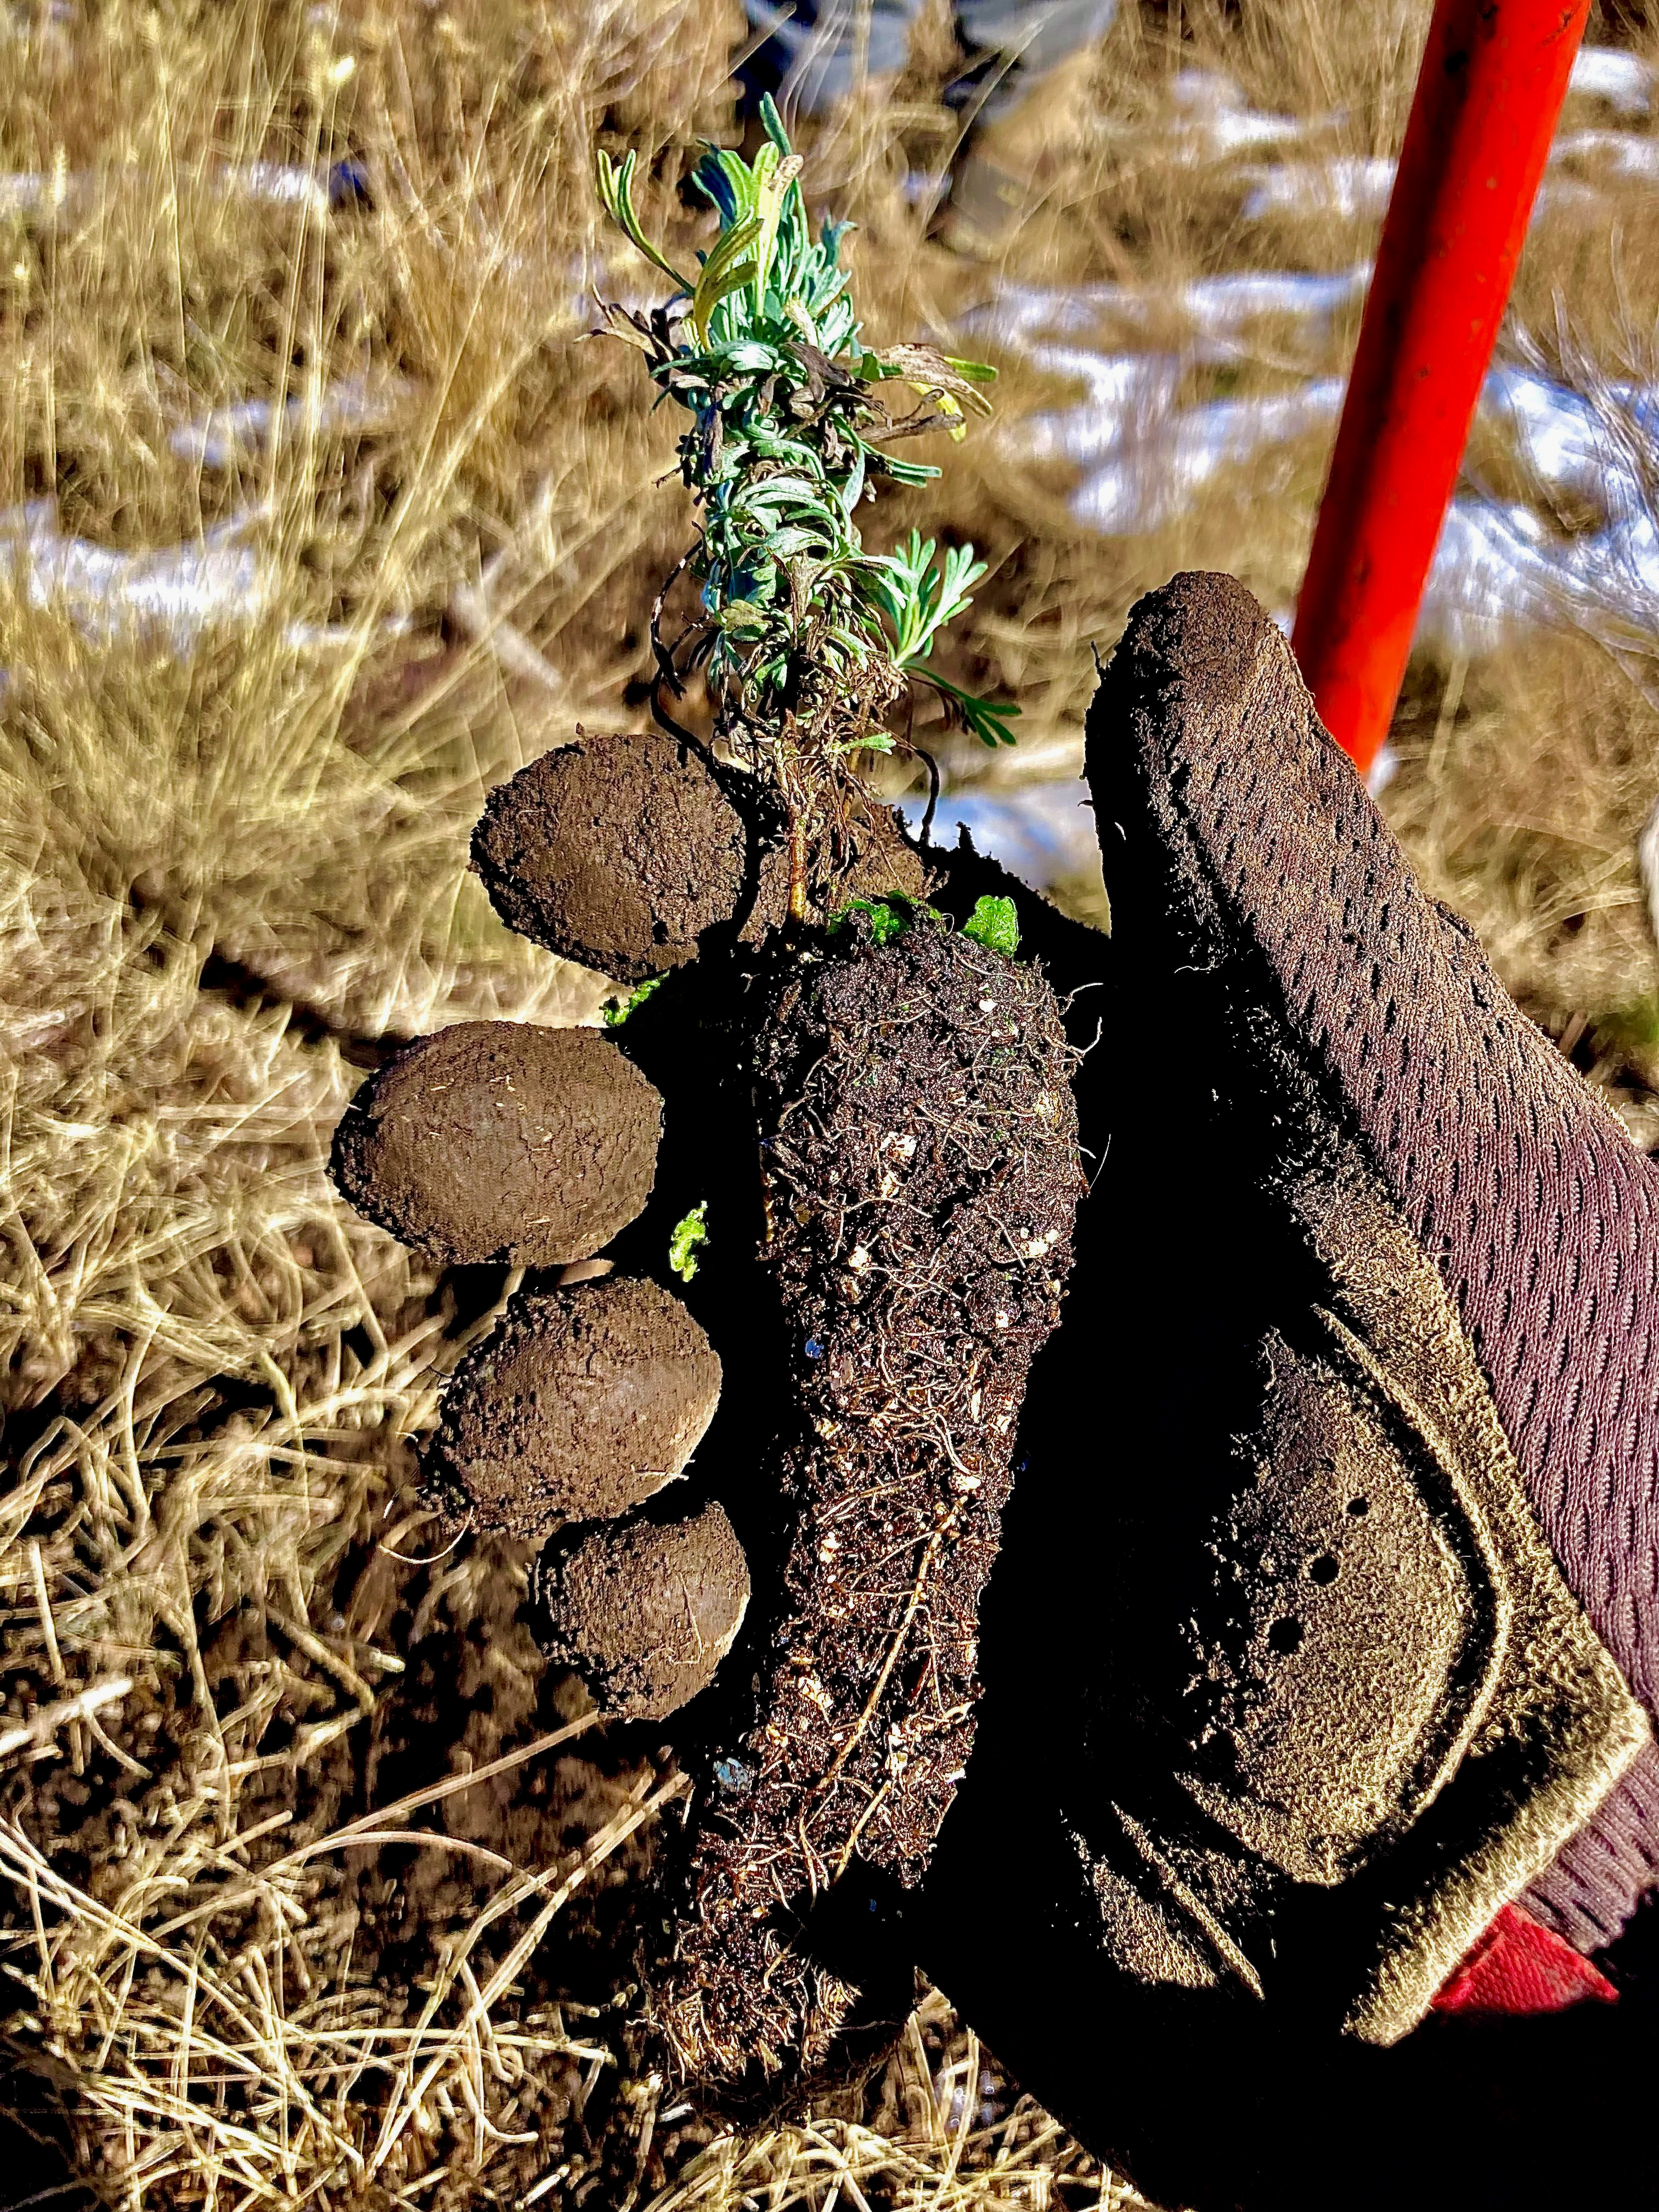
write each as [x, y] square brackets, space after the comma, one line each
[1367, 1303]
[1317, 1655]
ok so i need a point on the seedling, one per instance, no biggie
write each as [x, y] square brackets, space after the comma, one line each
[904, 1085]
[808, 643]
[918, 1184]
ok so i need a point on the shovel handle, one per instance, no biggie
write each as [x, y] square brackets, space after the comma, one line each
[1494, 75]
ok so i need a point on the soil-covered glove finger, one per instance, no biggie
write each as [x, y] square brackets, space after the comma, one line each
[589, 1398]
[516, 1146]
[500, 1142]
[630, 853]
[645, 1611]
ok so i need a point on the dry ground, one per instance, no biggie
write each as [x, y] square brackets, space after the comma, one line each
[259, 671]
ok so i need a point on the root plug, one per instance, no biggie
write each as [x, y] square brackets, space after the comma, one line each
[919, 1142]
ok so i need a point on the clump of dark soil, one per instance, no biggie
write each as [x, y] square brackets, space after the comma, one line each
[618, 851]
[496, 1141]
[583, 1403]
[918, 1143]
[644, 1612]
[622, 851]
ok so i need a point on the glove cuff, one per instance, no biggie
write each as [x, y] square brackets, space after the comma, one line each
[1602, 1875]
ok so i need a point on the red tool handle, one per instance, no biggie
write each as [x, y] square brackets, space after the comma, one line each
[1494, 77]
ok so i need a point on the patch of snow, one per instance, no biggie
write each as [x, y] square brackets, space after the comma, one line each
[182, 590]
[1215, 119]
[1218, 310]
[290, 183]
[280, 182]
[1021, 312]
[1383, 770]
[1556, 194]
[38, 191]
[1222, 306]
[226, 436]
[1126, 392]
[185, 588]
[1351, 187]
[1624, 81]
[1647, 854]
[1491, 576]
[1150, 482]
[1499, 570]
[1611, 154]
[1042, 834]
[1205, 92]
[1555, 430]
[1607, 579]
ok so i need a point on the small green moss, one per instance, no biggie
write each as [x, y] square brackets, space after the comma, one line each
[889, 918]
[689, 1232]
[994, 924]
[617, 1010]
[886, 922]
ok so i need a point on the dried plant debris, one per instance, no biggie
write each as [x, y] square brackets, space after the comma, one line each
[922, 1175]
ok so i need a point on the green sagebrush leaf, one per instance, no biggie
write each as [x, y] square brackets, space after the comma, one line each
[616, 187]
[988, 719]
[886, 919]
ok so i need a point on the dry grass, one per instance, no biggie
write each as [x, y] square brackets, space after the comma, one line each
[941, 2130]
[233, 864]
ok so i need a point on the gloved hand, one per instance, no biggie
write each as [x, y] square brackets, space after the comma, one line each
[1361, 1236]
[1320, 1653]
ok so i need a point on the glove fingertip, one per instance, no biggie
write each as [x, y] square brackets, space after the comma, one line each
[585, 1402]
[644, 1611]
[502, 1143]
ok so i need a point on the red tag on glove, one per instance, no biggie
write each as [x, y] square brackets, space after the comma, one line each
[1520, 1967]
